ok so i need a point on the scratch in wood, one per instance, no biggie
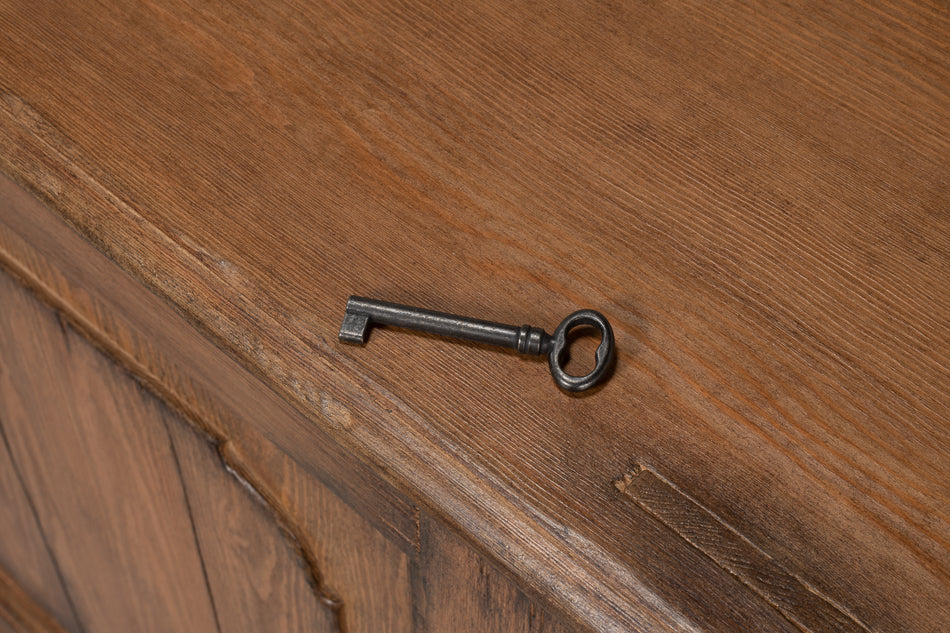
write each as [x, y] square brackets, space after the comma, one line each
[799, 602]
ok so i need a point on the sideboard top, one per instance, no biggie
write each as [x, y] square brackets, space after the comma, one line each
[756, 195]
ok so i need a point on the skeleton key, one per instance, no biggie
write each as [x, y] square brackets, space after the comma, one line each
[362, 313]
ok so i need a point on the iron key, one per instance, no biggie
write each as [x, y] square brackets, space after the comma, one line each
[362, 313]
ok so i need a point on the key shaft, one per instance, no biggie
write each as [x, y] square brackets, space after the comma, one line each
[362, 313]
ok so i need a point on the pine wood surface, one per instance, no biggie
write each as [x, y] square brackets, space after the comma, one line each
[755, 196]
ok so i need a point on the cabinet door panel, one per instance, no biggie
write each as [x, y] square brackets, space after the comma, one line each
[148, 530]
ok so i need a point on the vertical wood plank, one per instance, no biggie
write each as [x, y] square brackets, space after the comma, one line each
[257, 579]
[97, 462]
[24, 552]
[123, 472]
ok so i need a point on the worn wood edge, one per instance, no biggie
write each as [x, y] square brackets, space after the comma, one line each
[214, 419]
[22, 612]
[207, 406]
[578, 577]
[802, 604]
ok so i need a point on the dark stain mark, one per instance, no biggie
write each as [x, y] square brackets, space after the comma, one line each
[798, 602]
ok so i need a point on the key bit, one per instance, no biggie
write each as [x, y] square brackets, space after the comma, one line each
[363, 313]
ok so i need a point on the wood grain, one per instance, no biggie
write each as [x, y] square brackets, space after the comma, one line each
[20, 612]
[6, 627]
[457, 590]
[801, 604]
[25, 554]
[366, 571]
[255, 576]
[107, 493]
[755, 196]
[146, 526]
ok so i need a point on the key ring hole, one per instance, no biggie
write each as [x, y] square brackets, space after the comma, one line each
[581, 343]
[562, 340]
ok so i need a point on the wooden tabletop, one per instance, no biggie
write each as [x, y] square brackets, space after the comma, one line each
[756, 195]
